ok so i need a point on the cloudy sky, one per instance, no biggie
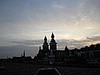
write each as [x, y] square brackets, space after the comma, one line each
[77, 20]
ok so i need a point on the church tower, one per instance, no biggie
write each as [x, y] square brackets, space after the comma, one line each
[45, 44]
[53, 43]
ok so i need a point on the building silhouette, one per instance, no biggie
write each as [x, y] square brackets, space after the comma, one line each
[49, 54]
[22, 59]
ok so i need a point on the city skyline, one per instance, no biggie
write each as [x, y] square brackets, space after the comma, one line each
[75, 23]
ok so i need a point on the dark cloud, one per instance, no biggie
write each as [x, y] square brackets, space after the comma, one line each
[62, 43]
[94, 38]
[29, 42]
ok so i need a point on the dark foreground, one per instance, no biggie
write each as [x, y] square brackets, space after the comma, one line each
[30, 69]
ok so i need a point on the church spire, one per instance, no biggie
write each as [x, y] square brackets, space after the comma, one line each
[52, 35]
[45, 39]
[53, 43]
[24, 53]
[45, 44]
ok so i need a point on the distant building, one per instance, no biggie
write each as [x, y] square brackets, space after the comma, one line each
[22, 59]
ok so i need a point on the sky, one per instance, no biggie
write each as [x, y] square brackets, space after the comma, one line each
[33, 19]
[74, 20]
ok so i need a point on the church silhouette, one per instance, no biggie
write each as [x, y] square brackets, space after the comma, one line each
[50, 55]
